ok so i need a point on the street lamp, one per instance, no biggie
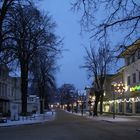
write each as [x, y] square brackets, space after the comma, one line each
[116, 88]
[89, 99]
[113, 87]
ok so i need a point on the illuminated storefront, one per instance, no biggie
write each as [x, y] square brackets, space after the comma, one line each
[128, 102]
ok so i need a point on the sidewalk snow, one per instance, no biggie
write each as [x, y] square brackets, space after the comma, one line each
[109, 119]
[37, 118]
[118, 118]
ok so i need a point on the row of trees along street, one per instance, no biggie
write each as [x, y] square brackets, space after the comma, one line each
[112, 23]
[28, 41]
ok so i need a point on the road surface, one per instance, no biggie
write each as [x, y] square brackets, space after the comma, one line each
[71, 127]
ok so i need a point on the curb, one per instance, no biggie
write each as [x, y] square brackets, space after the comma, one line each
[16, 125]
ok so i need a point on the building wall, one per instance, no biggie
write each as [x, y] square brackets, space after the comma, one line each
[6, 89]
[129, 101]
[10, 94]
[132, 68]
[33, 104]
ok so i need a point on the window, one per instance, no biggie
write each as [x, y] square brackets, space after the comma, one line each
[129, 107]
[133, 58]
[139, 76]
[137, 105]
[139, 54]
[134, 77]
[128, 60]
[128, 80]
[120, 106]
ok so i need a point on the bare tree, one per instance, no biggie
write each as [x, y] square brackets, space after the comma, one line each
[96, 63]
[4, 10]
[29, 31]
[105, 17]
[6, 7]
[43, 68]
[66, 91]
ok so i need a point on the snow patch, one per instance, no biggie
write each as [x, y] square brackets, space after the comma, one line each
[36, 118]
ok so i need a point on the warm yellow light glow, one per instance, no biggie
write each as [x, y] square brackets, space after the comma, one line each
[106, 109]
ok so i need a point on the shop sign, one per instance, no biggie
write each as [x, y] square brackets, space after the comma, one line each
[135, 88]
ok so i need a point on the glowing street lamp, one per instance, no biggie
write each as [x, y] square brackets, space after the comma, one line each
[116, 88]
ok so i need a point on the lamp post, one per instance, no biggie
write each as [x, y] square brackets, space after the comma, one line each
[89, 99]
[116, 88]
[121, 90]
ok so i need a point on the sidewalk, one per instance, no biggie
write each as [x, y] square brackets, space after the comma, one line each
[37, 118]
[109, 117]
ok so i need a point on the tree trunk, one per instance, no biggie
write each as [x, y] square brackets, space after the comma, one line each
[41, 106]
[97, 98]
[24, 86]
[46, 104]
[41, 98]
[101, 103]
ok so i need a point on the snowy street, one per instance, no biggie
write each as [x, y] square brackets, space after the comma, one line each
[67, 126]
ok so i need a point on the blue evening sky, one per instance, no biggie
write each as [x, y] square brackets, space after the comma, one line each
[69, 28]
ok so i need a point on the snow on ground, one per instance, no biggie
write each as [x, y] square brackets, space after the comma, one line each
[36, 118]
[118, 118]
[109, 119]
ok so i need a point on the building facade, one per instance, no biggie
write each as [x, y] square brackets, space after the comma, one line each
[127, 102]
[6, 90]
[10, 95]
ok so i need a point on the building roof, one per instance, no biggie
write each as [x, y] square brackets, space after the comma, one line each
[131, 49]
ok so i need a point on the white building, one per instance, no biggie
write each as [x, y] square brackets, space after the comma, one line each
[33, 104]
[6, 89]
[127, 102]
[131, 75]
[10, 94]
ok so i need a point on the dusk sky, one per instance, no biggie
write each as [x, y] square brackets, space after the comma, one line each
[69, 29]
